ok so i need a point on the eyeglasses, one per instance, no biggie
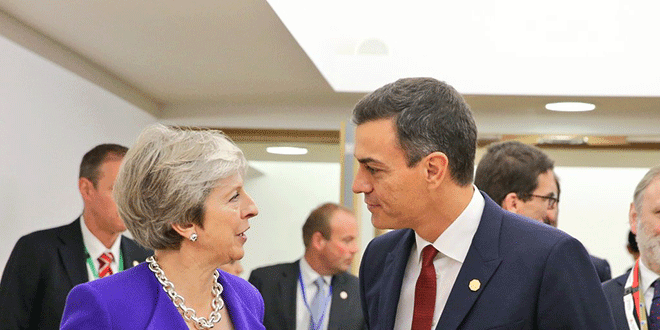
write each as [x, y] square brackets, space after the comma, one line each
[552, 201]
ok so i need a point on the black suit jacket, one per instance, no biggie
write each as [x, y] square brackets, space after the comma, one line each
[602, 268]
[614, 293]
[42, 268]
[278, 285]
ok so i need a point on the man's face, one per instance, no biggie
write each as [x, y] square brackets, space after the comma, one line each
[395, 194]
[538, 208]
[338, 251]
[646, 225]
[100, 202]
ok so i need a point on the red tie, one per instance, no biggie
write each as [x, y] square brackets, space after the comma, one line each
[104, 264]
[425, 291]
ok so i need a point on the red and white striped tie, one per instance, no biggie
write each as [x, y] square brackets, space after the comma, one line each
[104, 264]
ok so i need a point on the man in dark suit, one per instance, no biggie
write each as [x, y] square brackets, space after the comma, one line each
[639, 285]
[45, 265]
[290, 290]
[521, 179]
[455, 260]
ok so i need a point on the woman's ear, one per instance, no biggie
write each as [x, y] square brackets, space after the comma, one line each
[185, 230]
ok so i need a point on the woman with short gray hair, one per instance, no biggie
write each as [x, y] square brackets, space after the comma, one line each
[180, 192]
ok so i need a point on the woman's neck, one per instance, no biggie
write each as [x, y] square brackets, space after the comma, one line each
[192, 280]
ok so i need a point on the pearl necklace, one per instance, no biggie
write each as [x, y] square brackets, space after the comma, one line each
[188, 313]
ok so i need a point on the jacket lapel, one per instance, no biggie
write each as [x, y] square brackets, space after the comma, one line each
[166, 315]
[72, 253]
[288, 282]
[128, 253]
[395, 266]
[338, 308]
[480, 264]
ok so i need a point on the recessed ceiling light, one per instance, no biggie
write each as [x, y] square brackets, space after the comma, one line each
[286, 150]
[570, 106]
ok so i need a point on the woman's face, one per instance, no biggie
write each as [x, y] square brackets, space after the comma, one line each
[226, 212]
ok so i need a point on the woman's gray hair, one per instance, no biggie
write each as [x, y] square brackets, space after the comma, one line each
[651, 175]
[166, 177]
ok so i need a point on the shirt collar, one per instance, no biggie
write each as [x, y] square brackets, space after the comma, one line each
[455, 241]
[94, 245]
[309, 275]
[648, 277]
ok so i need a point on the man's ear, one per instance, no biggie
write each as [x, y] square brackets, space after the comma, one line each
[632, 218]
[185, 230]
[318, 241]
[85, 186]
[436, 167]
[511, 202]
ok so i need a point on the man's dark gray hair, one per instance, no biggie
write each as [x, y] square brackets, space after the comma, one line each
[511, 166]
[429, 116]
[652, 174]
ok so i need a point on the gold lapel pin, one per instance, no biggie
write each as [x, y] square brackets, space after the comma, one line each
[475, 285]
[135, 263]
[343, 295]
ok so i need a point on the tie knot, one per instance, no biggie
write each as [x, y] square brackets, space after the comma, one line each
[319, 282]
[106, 258]
[428, 253]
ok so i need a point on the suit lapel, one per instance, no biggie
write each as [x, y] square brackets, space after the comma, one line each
[166, 315]
[338, 308]
[128, 253]
[288, 282]
[395, 265]
[72, 253]
[480, 263]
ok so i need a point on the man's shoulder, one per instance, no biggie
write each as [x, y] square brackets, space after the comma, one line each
[616, 284]
[136, 250]
[47, 236]
[520, 229]
[273, 269]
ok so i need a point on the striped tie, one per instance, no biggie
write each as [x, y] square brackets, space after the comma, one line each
[104, 264]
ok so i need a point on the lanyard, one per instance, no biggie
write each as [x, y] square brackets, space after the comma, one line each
[93, 268]
[315, 326]
[638, 297]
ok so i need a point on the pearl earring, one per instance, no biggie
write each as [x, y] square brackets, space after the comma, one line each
[193, 237]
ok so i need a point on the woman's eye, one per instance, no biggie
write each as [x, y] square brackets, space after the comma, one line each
[235, 197]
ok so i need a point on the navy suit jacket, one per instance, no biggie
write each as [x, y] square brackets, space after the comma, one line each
[532, 276]
[602, 268]
[614, 293]
[134, 299]
[278, 286]
[42, 268]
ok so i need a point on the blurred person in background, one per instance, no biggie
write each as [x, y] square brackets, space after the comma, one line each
[45, 265]
[521, 179]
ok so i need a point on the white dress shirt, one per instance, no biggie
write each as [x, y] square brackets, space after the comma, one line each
[452, 245]
[96, 249]
[309, 275]
[648, 277]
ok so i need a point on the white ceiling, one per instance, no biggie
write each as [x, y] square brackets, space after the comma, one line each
[185, 59]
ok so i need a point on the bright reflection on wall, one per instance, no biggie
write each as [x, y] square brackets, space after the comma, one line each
[564, 47]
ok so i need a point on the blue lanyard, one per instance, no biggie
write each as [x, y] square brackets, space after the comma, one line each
[315, 326]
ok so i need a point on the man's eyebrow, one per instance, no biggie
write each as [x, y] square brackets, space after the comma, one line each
[368, 160]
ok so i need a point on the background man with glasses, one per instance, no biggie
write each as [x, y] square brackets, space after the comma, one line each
[521, 179]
